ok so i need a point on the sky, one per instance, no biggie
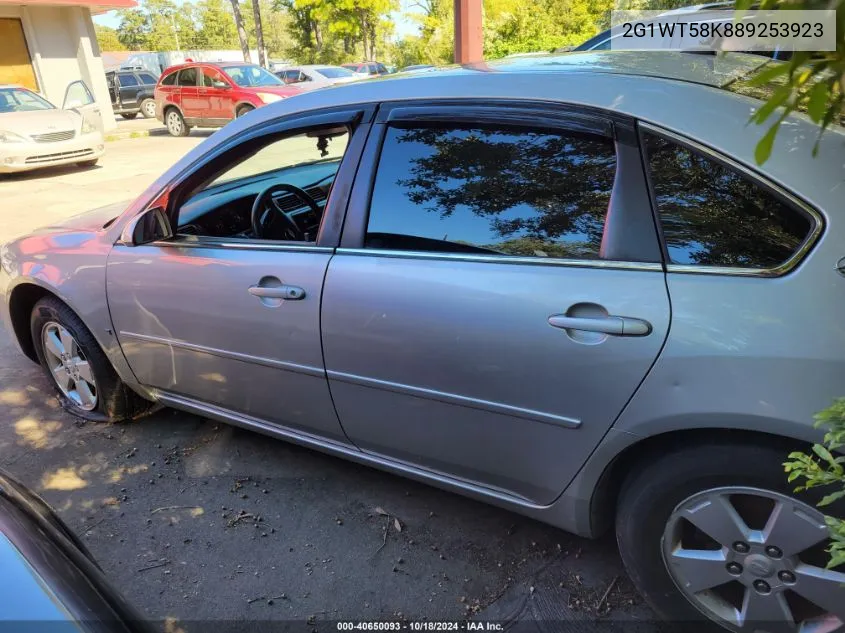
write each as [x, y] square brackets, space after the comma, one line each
[404, 26]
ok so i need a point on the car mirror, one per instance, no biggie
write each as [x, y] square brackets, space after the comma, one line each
[221, 84]
[151, 226]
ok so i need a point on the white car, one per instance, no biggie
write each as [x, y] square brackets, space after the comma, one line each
[312, 77]
[34, 133]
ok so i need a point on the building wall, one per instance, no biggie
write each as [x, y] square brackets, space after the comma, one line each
[64, 48]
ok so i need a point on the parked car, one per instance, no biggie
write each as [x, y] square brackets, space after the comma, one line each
[311, 77]
[417, 68]
[202, 94]
[34, 133]
[50, 579]
[132, 92]
[564, 296]
[367, 68]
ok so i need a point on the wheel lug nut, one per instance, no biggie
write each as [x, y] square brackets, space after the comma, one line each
[762, 586]
[786, 577]
[734, 568]
[773, 552]
[741, 547]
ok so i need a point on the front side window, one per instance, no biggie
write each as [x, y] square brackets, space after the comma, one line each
[492, 191]
[212, 78]
[127, 80]
[249, 76]
[290, 175]
[713, 216]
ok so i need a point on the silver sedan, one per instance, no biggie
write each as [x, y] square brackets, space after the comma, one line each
[557, 284]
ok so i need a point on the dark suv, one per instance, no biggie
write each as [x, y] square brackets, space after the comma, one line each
[131, 92]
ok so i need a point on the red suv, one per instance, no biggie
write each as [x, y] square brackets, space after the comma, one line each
[203, 94]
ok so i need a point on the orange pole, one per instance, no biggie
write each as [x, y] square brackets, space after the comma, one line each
[469, 36]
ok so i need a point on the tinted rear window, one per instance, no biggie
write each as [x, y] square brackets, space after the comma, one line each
[712, 215]
[188, 77]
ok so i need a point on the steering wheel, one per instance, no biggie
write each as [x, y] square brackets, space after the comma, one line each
[264, 202]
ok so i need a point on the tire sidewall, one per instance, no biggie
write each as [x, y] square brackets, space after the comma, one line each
[45, 313]
[651, 496]
[144, 104]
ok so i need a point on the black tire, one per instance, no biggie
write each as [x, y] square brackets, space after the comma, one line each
[242, 110]
[88, 163]
[175, 123]
[656, 487]
[129, 115]
[115, 401]
[148, 108]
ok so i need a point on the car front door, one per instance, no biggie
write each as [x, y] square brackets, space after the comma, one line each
[498, 295]
[78, 97]
[194, 105]
[219, 95]
[217, 320]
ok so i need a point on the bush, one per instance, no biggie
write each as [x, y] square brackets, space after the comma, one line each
[824, 469]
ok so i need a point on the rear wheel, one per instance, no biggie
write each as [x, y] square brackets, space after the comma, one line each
[148, 108]
[129, 115]
[714, 534]
[69, 354]
[176, 125]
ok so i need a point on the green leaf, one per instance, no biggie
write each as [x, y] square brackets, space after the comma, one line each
[743, 5]
[776, 100]
[833, 496]
[768, 73]
[764, 145]
[822, 452]
[817, 100]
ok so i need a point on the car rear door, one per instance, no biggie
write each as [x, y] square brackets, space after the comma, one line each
[218, 94]
[498, 295]
[194, 105]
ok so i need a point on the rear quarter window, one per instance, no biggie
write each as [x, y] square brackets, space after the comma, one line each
[713, 215]
[169, 80]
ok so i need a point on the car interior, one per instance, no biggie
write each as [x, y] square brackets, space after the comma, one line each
[276, 191]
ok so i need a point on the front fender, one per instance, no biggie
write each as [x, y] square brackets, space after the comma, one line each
[70, 266]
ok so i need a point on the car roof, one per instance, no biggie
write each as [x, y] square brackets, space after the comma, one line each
[656, 88]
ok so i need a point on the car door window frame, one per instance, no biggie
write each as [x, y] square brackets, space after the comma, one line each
[757, 179]
[358, 118]
[634, 217]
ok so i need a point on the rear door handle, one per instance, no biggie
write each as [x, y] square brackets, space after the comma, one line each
[613, 325]
[290, 293]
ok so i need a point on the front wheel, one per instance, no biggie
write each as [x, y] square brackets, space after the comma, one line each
[714, 534]
[148, 108]
[244, 109]
[70, 356]
[88, 163]
[129, 115]
[176, 125]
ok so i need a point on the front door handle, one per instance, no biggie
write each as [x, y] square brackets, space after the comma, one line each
[290, 293]
[613, 325]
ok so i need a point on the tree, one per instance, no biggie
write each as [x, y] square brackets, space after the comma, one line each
[811, 82]
[133, 29]
[217, 27]
[239, 25]
[108, 39]
[259, 32]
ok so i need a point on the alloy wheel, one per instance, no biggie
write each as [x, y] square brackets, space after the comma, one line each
[753, 560]
[69, 367]
[174, 123]
[150, 109]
